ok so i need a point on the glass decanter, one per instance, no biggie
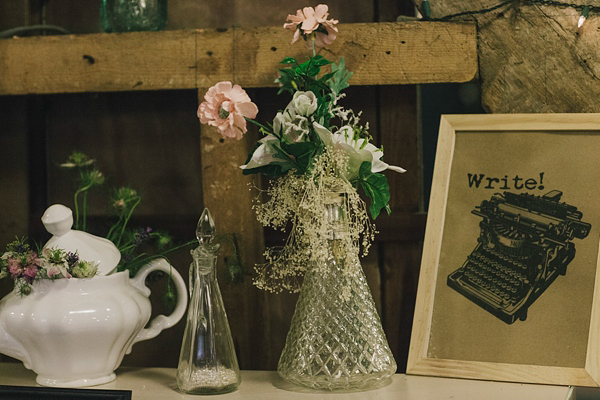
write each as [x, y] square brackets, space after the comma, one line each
[336, 342]
[207, 363]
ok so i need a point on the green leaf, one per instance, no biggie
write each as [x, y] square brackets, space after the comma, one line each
[273, 170]
[313, 71]
[341, 75]
[376, 187]
[289, 60]
[327, 77]
[303, 152]
[320, 61]
[286, 78]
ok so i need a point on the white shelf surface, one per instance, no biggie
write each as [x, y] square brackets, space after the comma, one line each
[159, 384]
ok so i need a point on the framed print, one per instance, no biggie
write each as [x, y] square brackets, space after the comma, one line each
[509, 283]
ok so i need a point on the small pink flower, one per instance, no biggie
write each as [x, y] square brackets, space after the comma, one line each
[309, 20]
[30, 273]
[225, 107]
[14, 267]
[32, 258]
[52, 271]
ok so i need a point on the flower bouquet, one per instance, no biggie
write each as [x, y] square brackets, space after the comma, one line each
[319, 155]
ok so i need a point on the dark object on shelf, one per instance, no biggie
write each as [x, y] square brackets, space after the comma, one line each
[525, 243]
[584, 393]
[133, 15]
[45, 393]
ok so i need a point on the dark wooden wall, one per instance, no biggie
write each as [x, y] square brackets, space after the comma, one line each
[151, 141]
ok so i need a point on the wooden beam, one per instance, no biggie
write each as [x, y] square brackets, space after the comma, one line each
[378, 53]
[98, 62]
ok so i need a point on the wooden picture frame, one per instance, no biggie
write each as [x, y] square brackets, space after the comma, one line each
[456, 332]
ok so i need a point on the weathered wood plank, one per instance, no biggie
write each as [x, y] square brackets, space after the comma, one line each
[398, 130]
[98, 63]
[227, 195]
[533, 59]
[378, 53]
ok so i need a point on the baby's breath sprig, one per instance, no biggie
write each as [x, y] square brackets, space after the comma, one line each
[303, 201]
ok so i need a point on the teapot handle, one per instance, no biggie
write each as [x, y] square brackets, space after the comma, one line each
[160, 322]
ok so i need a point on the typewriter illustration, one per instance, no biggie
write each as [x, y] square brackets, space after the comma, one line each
[525, 243]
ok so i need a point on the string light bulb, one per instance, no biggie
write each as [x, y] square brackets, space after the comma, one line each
[585, 12]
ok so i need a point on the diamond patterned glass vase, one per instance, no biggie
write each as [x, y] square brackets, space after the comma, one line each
[336, 341]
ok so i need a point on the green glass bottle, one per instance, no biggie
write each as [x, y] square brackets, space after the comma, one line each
[133, 15]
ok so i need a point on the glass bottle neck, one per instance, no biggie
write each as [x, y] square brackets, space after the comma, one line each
[205, 266]
[205, 259]
[335, 215]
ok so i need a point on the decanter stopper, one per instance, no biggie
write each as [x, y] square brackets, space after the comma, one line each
[205, 233]
[205, 230]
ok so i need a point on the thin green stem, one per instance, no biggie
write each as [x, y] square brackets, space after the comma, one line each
[128, 247]
[77, 192]
[127, 220]
[131, 245]
[76, 209]
[312, 39]
[112, 228]
[84, 209]
[266, 128]
[139, 261]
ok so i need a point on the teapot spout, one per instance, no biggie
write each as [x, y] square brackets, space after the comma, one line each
[12, 348]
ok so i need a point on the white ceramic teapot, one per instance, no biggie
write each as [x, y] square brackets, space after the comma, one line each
[75, 332]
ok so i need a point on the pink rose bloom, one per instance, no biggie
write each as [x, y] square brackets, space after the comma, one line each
[310, 20]
[225, 107]
[30, 273]
[14, 267]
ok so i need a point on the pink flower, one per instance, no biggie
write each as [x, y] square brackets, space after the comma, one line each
[30, 273]
[14, 267]
[52, 271]
[225, 107]
[309, 20]
[32, 258]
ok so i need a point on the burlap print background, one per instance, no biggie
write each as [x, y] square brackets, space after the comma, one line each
[555, 332]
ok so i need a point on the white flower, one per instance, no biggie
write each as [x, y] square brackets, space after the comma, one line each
[54, 269]
[85, 269]
[292, 129]
[358, 150]
[280, 120]
[292, 123]
[264, 154]
[303, 103]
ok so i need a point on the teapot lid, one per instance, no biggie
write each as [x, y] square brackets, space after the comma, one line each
[58, 220]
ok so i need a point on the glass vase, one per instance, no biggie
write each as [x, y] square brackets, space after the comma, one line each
[336, 341]
[133, 15]
[207, 362]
